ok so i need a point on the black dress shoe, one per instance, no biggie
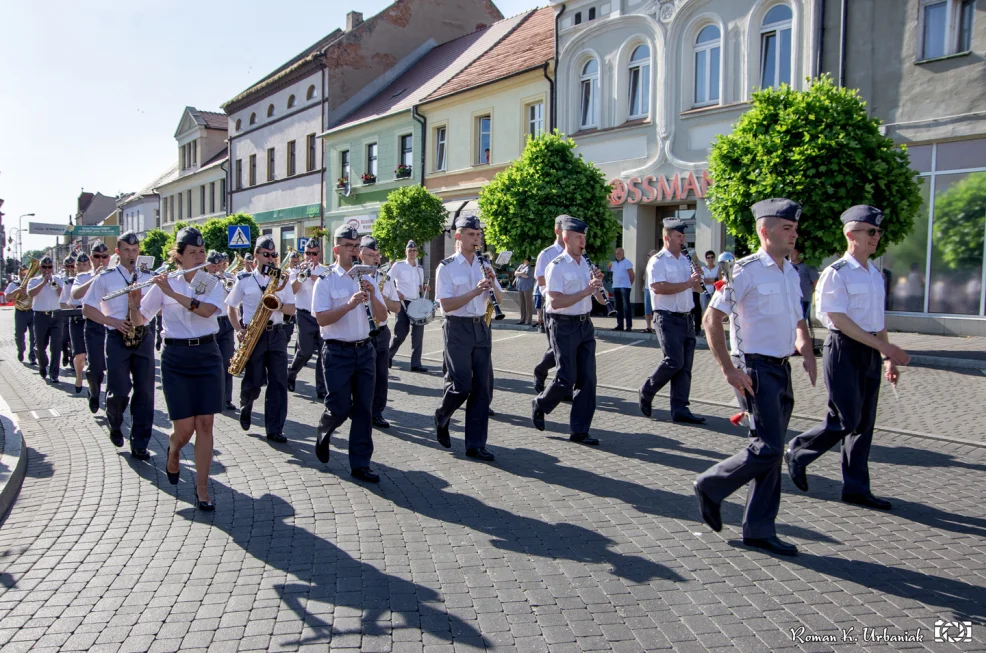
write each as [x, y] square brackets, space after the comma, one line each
[172, 478]
[539, 385]
[140, 454]
[796, 471]
[365, 474]
[381, 423]
[20, 356]
[322, 447]
[43, 371]
[771, 544]
[709, 509]
[33, 361]
[93, 401]
[688, 418]
[231, 406]
[320, 395]
[441, 432]
[245, 414]
[116, 437]
[491, 412]
[617, 328]
[78, 389]
[205, 506]
[537, 415]
[480, 454]
[568, 399]
[418, 368]
[645, 406]
[291, 384]
[583, 438]
[277, 437]
[867, 500]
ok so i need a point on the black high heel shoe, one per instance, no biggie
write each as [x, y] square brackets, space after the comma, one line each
[205, 506]
[172, 478]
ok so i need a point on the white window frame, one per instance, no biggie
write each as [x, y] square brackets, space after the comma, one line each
[776, 29]
[441, 149]
[479, 138]
[409, 152]
[372, 160]
[953, 28]
[707, 84]
[641, 67]
[534, 113]
[589, 119]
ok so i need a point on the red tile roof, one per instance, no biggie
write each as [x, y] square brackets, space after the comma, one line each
[214, 120]
[530, 45]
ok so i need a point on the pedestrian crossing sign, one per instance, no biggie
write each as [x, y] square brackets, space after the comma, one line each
[239, 236]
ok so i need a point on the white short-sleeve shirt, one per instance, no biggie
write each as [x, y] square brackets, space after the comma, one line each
[547, 255]
[303, 298]
[848, 287]
[566, 276]
[80, 280]
[332, 291]
[621, 273]
[11, 287]
[248, 290]
[177, 321]
[47, 299]
[107, 281]
[389, 291]
[768, 306]
[665, 267]
[456, 277]
[409, 278]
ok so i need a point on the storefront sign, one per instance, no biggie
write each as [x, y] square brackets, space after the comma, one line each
[658, 188]
[96, 230]
[44, 229]
[362, 223]
[287, 214]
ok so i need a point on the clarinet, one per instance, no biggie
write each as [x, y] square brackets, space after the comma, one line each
[497, 311]
[610, 308]
[374, 330]
[695, 270]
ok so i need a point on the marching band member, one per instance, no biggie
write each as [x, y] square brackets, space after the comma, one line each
[291, 320]
[75, 324]
[67, 277]
[547, 255]
[462, 287]
[766, 325]
[249, 263]
[269, 359]
[570, 286]
[45, 291]
[129, 350]
[369, 255]
[338, 304]
[309, 339]
[94, 333]
[224, 338]
[850, 304]
[410, 280]
[191, 363]
[672, 282]
[23, 320]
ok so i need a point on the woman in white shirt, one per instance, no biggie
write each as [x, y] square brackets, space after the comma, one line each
[710, 274]
[191, 363]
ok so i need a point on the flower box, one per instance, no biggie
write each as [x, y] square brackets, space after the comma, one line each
[402, 172]
[368, 179]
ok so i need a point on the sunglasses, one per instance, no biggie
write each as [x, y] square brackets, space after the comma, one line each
[872, 231]
[313, 253]
[100, 256]
[268, 254]
[45, 267]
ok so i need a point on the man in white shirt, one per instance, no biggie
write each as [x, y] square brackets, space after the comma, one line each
[410, 280]
[45, 291]
[23, 320]
[463, 287]
[369, 254]
[309, 340]
[763, 305]
[547, 255]
[622, 269]
[671, 281]
[269, 359]
[341, 304]
[851, 303]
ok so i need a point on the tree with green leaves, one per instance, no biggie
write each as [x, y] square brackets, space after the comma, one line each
[215, 233]
[34, 253]
[154, 244]
[410, 213]
[817, 147]
[521, 203]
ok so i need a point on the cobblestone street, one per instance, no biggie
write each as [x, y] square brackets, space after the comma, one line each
[553, 547]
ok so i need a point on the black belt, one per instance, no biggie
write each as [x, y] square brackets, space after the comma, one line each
[570, 318]
[773, 360]
[48, 313]
[465, 318]
[77, 319]
[271, 326]
[839, 333]
[348, 343]
[191, 342]
[223, 317]
[301, 310]
[663, 312]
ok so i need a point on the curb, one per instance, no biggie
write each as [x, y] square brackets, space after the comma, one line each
[917, 360]
[13, 459]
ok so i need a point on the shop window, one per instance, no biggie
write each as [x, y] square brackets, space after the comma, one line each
[958, 226]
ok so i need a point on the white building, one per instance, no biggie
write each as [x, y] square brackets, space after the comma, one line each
[141, 211]
[198, 192]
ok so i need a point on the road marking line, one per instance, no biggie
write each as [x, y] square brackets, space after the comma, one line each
[609, 351]
[520, 335]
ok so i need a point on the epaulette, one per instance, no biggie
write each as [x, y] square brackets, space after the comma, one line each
[243, 274]
[448, 261]
[107, 270]
[838, 265]
[746, 260]
[557, 259]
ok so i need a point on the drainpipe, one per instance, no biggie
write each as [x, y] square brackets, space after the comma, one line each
[842, 44]
[551, 94]
[321, 110]
[820, 38]
[554, 100]
[423, 121]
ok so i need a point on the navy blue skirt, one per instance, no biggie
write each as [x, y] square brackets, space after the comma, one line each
[193, 380]
[77, 332]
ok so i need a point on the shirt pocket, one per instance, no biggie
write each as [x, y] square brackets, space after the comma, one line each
[858, 295]
[770, 299]
[572, 283]
[340, 294]
[461, 284]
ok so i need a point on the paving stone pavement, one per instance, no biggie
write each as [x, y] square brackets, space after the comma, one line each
[554, 547]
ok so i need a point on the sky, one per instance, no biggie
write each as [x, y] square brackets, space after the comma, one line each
[93, 91]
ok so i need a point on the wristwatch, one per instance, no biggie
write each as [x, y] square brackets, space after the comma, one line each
[192, 305]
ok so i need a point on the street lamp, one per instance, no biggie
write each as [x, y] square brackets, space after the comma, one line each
[20, 231]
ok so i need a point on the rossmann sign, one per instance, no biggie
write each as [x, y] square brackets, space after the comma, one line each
[651, 188]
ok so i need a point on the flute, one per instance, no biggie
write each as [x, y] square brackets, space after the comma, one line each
[145, 284]
[497, 311]
[610, 308]
[374, 329]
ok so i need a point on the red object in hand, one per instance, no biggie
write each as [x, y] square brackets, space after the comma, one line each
[719, 285]
[737, 418]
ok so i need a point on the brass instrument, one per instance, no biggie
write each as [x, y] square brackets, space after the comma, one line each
[235, 266]
[24, 300]
[268, 304]
[492, 305]
[135, 336]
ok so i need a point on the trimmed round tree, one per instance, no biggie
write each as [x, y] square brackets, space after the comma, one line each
[410, 213]
[215, 233]
[521, 203]
[817, 147]
[154, 243]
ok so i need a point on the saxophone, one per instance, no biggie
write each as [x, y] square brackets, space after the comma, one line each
[23, 300]
[133, 338]
[268, 304]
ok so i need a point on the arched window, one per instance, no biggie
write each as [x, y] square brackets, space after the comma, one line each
[708, 47]
[589, 95]
[237, 124]
[311, 93]
[290, 101]
[253, 119]
[270, 110]
[775, 47]
[639, 91]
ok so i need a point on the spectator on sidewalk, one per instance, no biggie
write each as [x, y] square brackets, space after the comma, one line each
[809, 277]
[524, 282]
[648, 308]
[622, 269]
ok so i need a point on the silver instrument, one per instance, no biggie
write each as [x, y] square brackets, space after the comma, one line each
[145, 284]
[357, 272]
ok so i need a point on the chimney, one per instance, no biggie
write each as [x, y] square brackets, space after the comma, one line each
[353, 18]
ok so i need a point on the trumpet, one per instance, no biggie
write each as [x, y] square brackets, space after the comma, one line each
[145, 284]
[374, 329]
[610, 308]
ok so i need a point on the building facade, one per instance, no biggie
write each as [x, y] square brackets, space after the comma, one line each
[198, 192]
[141, 211]
[645, 86]
[277, 172]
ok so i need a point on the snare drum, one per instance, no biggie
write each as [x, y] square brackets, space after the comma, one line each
[421, 311]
